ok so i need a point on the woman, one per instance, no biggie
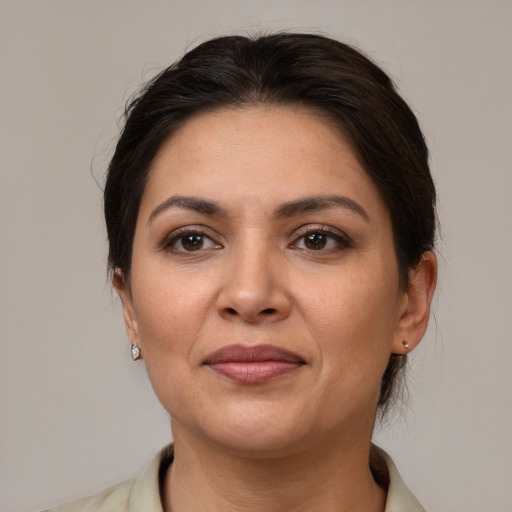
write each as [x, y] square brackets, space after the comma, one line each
[270, 213]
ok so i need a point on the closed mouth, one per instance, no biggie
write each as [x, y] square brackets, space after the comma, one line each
[253, 364]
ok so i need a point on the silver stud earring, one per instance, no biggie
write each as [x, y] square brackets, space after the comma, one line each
[405, 344]
[136, 353]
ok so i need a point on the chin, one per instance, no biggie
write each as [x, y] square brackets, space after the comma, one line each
[263, 444]
[256, 431]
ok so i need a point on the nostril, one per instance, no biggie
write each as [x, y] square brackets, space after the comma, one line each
[268, 311]
[231, 311]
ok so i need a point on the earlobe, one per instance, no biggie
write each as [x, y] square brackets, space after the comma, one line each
[122, 287]
[415, 313]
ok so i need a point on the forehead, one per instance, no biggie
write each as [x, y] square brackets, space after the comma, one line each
[259, 154]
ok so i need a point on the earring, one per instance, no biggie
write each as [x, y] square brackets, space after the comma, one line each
[136, 353]
[405, 344]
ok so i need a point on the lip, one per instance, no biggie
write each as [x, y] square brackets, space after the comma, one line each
[253, 364]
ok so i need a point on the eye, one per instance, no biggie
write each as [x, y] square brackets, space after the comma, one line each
[316, 241]
[321, 240]
[191, 241]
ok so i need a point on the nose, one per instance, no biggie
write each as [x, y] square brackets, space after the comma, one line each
[253, 288]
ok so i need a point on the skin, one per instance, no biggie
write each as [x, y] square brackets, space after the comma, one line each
[299, 441]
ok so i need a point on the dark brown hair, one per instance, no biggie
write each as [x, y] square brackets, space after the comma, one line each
[285, 69]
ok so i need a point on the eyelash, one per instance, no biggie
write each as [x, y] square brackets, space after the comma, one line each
[341, 240]
[169, 243]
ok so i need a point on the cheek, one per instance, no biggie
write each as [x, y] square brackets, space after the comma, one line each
[170, 310]
[353, 318]
[170, 313]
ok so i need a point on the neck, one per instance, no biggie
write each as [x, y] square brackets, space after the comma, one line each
[333, 476]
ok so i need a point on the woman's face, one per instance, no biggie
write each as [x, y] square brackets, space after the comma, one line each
[264, 289]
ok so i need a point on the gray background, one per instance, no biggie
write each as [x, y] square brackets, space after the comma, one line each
[76, 414]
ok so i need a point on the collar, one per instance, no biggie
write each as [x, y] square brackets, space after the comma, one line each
[146, 489]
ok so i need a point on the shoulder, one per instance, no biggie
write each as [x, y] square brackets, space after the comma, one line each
[141, 493]
[114, 499]
[400, 498]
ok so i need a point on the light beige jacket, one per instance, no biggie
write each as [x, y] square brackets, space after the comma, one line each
[142, 494]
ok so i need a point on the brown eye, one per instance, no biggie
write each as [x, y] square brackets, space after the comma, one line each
[315, 241]
[192, 242]
[321, 240]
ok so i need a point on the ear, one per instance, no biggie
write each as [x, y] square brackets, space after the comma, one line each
[415, 309]
[122, 286]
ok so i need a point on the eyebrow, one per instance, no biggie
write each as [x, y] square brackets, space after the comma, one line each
[288, 209]
[319, 203]
[189, 203]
